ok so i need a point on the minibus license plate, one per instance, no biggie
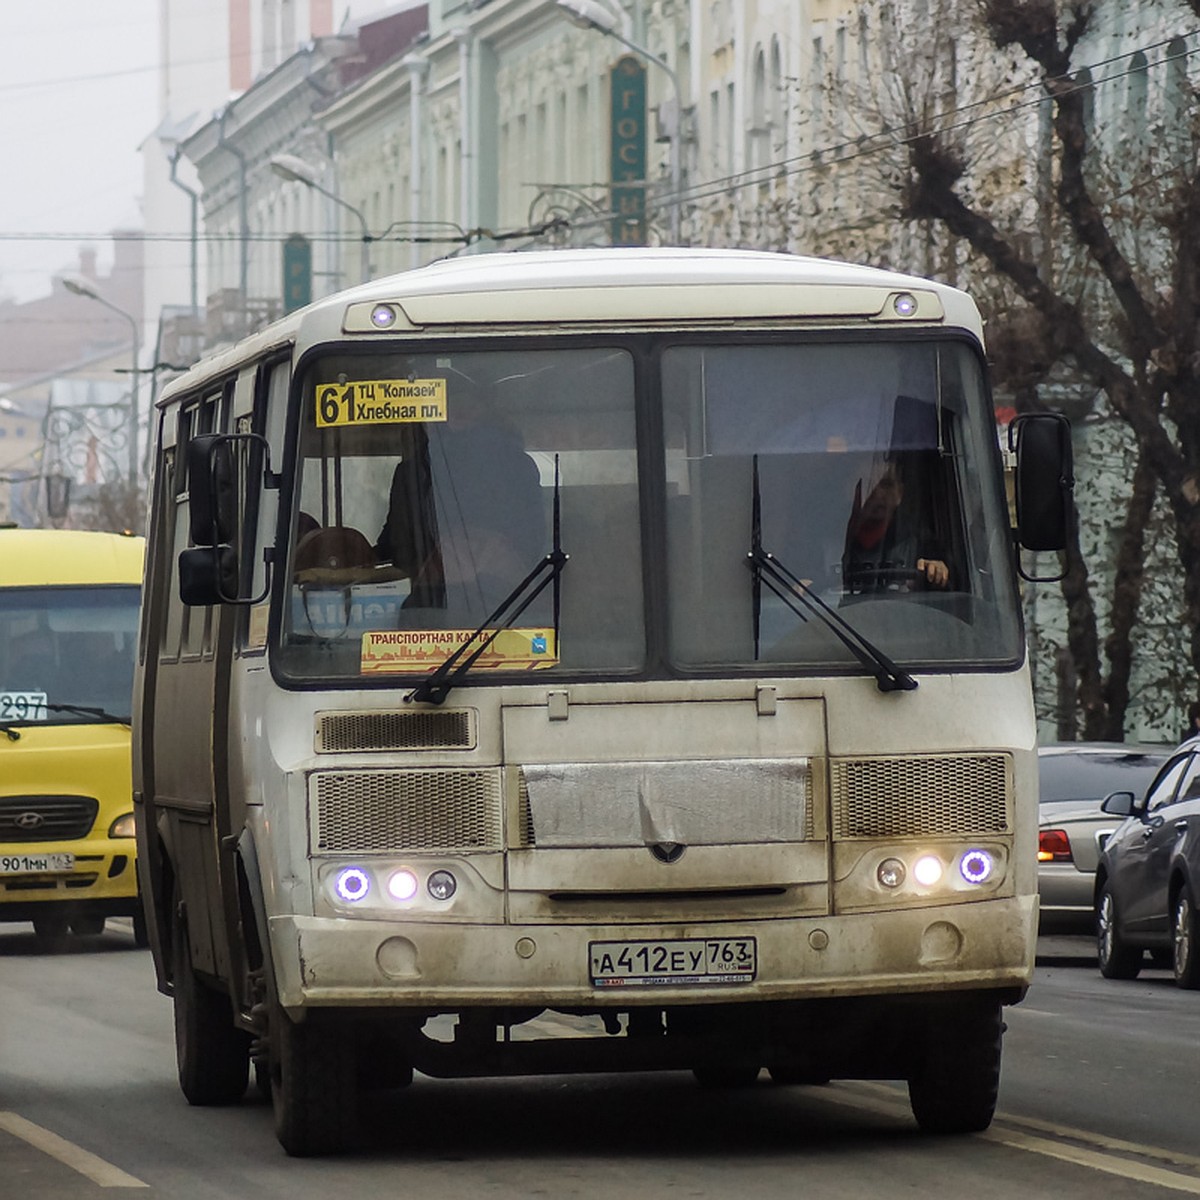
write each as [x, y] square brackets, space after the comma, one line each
[678, 961]
[35, 864]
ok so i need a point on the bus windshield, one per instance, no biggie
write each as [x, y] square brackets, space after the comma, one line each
[430, 485]
[66, 654]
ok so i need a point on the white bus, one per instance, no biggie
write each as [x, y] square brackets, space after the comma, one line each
[627, 635]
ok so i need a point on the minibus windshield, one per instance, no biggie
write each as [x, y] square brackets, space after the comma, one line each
[868, 469]
[66, 654]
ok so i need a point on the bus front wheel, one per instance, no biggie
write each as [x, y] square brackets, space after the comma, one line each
[212, 1054]
[956, 1079]
[313, 1086]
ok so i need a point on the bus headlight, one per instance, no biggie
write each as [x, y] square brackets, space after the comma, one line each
[402, 885]
[927, 870]
[352, 884]
[976, 866]
[441, 885]
[890, 873]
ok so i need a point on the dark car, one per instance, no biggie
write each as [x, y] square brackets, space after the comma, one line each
[1073, 779]
[1148, 878]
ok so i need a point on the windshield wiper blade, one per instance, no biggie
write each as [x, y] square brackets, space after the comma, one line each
[454, 666]
[84, 710]
[12, 732]
[790, 589]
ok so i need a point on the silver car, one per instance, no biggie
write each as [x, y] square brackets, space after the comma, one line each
[1074, 779]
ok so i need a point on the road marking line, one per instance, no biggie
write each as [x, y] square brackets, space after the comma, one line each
[67, 1153]
[1106, 1160]
[1097, 1160]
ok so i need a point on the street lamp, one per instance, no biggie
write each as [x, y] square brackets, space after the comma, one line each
[296, 170]
[81, 287]
[589, 14]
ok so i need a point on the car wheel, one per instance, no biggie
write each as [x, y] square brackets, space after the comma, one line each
[1186, 937]
[52, 927]
[87, 926]
[1118, 960]
[141, 931]
[956, 1079]
[211, 1053]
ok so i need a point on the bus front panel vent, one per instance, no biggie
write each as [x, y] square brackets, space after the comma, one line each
[423, 810]
[921, 796]
[347, 732]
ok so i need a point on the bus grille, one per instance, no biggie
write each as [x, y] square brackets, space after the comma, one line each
[907, 797]
[46, 818]
[363, 811]
[342, 732]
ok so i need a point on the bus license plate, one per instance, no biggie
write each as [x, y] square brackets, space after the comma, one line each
[679, 961]
[35, 864]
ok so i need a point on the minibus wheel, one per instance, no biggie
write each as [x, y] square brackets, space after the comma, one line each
[212, 1054]
[313, 1083]
[955, 1079]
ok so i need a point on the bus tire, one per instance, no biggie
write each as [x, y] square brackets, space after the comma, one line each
[212, 1055]
[51, 927]
[313, 1085]
[1117, 959]
[954, 1086]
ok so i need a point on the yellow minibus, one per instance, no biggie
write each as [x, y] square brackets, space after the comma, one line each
[68, 630]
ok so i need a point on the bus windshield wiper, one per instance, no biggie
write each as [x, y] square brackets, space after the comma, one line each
[794, 592]
[455, 665]
[84, 710]
[11, 731]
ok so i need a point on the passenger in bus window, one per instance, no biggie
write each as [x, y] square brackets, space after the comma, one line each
[889, 544]
[465, 517]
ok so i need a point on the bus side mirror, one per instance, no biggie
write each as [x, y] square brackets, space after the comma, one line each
[220, 467]
[212, 498]
[1045, 479]
[208, 575]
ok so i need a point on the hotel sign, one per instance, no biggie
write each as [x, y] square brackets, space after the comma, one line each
[627, 83]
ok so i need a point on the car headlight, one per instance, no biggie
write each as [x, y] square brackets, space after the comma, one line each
[122, 827]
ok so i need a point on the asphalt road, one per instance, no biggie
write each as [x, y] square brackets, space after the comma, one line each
[1098, 1092]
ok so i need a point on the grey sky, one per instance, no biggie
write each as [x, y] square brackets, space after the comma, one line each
[77, 97]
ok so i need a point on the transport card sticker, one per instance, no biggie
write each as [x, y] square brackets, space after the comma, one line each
[380, 402]
[409, 650]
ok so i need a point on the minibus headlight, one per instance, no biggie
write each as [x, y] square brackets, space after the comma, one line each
[402, 885]
[904, 305]
[890, 873]
[442, 885]
[122, 827]
[927, 870]
[976, 866]
[383, 316]
[352, 884]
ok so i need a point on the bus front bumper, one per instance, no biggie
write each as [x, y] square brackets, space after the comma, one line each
[341, 962]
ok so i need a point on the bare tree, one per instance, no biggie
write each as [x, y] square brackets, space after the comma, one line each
[1093, 239]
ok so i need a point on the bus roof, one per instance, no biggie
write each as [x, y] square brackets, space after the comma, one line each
[62, 557]
[612, 287]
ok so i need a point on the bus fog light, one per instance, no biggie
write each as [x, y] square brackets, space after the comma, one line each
[402, 885]
[976, 866]
[442, 885]
[891, 873]
[352, 884]
[928, 870]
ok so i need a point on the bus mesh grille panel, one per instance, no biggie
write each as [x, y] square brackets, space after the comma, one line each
[360, 811]
[902, 797]
[343, 732]
[46, 818]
